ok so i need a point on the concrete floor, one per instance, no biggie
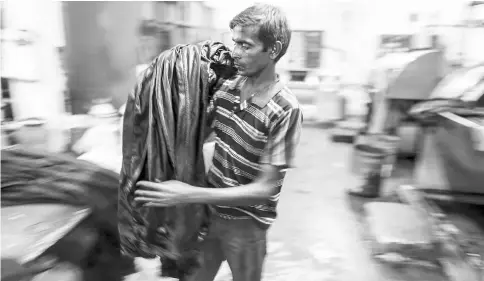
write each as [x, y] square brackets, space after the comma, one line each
[319, 234]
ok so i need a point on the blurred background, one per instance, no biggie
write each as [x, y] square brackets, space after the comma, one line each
[57, 57]
[357, 68]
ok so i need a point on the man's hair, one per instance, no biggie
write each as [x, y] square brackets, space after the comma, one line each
[272, 23]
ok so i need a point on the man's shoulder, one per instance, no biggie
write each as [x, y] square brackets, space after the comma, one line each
[286, 99]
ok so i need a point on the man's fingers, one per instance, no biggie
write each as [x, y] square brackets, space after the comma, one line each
[142, 200]
[148, 185]
[147, 193]
[155, 194]
[149, 202]
[153, 204]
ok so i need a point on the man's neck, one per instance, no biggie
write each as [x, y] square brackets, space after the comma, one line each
[266, 76]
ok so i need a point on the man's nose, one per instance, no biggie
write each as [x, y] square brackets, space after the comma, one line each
[236, 53]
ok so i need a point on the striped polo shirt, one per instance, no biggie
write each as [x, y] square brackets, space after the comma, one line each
[263, 130]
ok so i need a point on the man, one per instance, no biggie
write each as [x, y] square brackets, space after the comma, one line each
[257, 122]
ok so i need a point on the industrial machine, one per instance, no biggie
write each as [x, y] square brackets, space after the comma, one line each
[401, 80]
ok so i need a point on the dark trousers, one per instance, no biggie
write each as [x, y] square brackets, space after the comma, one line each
[241, 242]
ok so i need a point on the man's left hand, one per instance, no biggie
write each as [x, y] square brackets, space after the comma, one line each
[162, 194]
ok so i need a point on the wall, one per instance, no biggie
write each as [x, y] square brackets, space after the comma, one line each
[36, 84]
[101, 49]
[188, 21]
[101, 46]
[474, 38]
[103, 42]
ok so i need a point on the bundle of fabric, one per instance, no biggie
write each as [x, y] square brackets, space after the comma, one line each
[163, 135]
[31, 177]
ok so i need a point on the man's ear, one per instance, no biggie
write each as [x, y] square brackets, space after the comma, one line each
[276, 50]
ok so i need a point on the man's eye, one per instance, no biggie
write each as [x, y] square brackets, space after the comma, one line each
[244, 46]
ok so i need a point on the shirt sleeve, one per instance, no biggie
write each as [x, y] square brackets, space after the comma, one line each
[283, 140]
[211, 108]
[211, 112]
[209, 129]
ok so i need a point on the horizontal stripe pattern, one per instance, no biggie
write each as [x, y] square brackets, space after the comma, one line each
[248, 138]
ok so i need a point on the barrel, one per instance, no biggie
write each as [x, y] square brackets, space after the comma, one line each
[373, 159]
[391, 145]
[369, 158]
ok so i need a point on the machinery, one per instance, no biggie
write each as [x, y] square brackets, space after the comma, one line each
[452, 156]
[401, 80]
[447, 187]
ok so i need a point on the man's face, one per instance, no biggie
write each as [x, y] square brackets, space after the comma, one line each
[249, 55]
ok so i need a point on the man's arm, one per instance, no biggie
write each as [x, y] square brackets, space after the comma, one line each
[279, 156]
[211, 110]
[171, 193]
[258, 192]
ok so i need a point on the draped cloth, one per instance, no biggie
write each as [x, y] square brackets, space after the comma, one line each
[164, 128]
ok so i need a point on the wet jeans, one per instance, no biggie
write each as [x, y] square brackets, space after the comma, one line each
[241, 242]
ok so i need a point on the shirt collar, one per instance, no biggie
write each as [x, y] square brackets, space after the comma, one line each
[262, 99]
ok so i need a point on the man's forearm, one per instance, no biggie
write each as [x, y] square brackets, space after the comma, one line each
[173, 192]
[245, 195]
